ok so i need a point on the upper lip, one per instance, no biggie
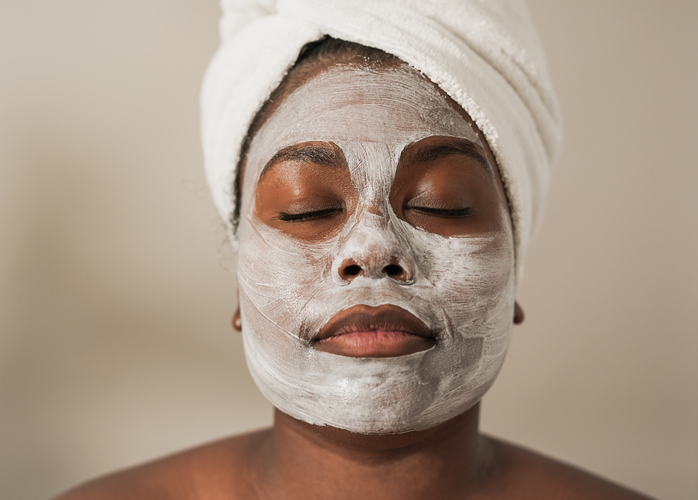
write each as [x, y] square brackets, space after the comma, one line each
[363, 318]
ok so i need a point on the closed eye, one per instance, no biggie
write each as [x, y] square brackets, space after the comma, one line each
[306, 216]
[442, 212]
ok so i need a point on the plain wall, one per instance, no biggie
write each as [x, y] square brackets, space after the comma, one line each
[115, 280]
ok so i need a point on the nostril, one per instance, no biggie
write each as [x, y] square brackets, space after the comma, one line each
[394, 271]
[352, 270]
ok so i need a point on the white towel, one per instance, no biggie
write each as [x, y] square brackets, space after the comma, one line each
[485, 54]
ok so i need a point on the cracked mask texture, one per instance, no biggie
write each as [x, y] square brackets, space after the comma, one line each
[460, 287]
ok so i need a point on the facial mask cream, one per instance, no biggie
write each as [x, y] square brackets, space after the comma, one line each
[460, 287]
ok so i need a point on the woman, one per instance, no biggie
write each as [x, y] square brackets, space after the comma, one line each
[382, 202]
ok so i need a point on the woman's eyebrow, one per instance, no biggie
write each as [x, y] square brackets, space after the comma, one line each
[446, 148]
[328, 155]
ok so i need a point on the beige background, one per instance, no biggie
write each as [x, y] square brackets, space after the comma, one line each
[116, 345]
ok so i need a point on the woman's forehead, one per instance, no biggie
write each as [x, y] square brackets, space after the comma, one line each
[394, 106]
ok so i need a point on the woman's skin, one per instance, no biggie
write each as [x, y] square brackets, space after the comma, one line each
[297, 460]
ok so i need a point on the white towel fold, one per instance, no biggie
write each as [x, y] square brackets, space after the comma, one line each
[485, 54]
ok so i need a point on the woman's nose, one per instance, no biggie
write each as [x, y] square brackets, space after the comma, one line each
[372, 249]
[350, 269]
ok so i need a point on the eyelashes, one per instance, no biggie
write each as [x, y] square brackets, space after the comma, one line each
[442, 212]
[328, 212]
[308, 216]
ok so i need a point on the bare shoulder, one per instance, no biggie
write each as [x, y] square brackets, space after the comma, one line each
[532, 475]
[221, 469]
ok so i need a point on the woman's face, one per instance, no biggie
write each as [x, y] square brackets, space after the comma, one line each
[376, 263]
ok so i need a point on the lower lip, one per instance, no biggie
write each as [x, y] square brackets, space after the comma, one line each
[374, 344]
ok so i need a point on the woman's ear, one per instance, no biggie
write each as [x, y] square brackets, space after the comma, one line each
[518, 314]
[237, 321]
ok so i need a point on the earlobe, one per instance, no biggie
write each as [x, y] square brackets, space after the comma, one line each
[237, 320]
[518, 314]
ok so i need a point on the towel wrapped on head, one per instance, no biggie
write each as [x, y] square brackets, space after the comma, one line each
[484, 54]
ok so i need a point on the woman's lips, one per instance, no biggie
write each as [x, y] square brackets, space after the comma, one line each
[374, 332]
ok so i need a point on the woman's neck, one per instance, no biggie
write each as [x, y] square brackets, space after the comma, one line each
[306, 461]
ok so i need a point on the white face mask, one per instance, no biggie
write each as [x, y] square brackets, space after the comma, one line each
[460, 287]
